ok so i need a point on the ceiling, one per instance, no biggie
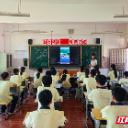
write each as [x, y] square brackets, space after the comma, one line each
[73, 1]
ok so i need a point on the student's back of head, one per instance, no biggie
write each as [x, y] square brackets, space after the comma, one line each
[5, 75]
[52, 68]
[113, 67]
[53, 72]
[64, 77]
[126, 74]
[82, 68]
[87, 72]
[65, 71]
[39, 70]
[16, 71]
[48, 73]
[45, 97]
[101, 79]
[22, 70]
[47, 81]
[118, 94]
[93, 72]
[97, 69]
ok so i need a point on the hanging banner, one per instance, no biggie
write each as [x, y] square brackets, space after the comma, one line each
[64, 42]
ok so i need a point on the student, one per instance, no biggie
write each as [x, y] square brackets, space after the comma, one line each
[81, 73]
[38, 78]
[93, 61]
[45, 117]
[125, 79]
[52, 69]
[47, 81]
[54, 76]
[5, 85]
[113, 75]
[65, 83]
[48, 73]
[86, 74]
[97, 70]
[23, 73]
[90, 82]
[66, 73]
[111, 112]
[17, 79]
[100, 96]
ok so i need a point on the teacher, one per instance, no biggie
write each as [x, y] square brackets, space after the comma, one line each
[93, 61]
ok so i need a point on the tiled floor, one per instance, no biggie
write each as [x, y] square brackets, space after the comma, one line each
[71, 107]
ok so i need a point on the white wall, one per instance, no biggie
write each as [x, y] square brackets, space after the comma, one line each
[17, 44]
[2, 48]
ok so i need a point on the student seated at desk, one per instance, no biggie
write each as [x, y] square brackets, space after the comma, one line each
[47, 81]
[23, 73]
[66, 73]
[91, 81]
[52, 69]
[45, 117]
[55, 77]
[125, 79]
[48, 73]
[113, 75]
[100, 96]
[5, 86]
[111, 112]
[97, 70]
[81, 73]
[65, 83]
[38, 78]
[86, 75]
[17, 79]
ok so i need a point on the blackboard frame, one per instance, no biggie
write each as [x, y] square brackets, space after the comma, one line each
[71, 66]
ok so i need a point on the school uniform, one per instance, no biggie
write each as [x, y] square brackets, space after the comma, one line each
[25, 75]
[68, 76]
[5, 95]
[17, 79]
[55, 95]
[123, 80]
[79, 74]
[90, 83]
[66, 84]
[93, 62]
[45, 118]
[111, 112]
[82, 77]
[53, 85]
[112, 76]
[38, 82]
[100, 97]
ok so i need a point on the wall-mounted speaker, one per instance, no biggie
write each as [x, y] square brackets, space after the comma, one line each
[30, 41]
[25, 61]
[97, 40]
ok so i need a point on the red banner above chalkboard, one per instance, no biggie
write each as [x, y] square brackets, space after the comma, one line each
[64, 42]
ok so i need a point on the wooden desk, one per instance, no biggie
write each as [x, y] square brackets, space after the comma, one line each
[97, 114]
[62, 112]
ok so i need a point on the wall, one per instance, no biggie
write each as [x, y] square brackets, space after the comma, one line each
[2, 48]
[17, 44]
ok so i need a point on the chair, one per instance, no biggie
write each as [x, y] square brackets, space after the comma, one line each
[67, 93]
[7, 113]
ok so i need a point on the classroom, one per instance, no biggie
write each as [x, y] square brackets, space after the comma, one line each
[63, 63]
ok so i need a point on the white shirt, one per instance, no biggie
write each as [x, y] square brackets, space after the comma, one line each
[90, 83]
[45, 118]
[5, 91]
[25, 74]
[17, 79]
[68, 76]
[38, 82]
[79, 74]
[93, 62]
[55, 95]
[82, 77]
[123, 80]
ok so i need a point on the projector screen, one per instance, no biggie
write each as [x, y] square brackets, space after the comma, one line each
[65, 55]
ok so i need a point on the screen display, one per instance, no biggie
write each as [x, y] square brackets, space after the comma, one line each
[65, 55]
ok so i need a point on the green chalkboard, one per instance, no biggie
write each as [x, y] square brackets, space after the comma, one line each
[38, 56]
[87, 52]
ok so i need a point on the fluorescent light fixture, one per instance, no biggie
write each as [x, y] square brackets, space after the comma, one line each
[121, 16]
[107, 32]
[15, 14]
[29, 31]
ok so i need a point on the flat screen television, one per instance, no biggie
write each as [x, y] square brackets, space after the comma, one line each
[64, 55]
